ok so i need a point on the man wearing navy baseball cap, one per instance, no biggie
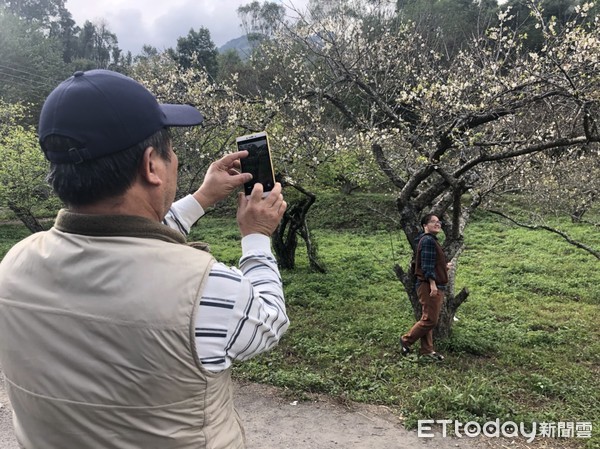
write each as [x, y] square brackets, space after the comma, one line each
[117, 333]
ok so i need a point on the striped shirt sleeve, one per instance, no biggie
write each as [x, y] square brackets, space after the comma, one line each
[183, 214]
[242, 311]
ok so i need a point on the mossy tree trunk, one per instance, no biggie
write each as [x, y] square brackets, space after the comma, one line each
[294, 224]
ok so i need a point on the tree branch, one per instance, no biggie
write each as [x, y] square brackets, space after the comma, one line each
[471, 121]
[386, 167]
[520, 152]
[589, 124]
[580, 245]
[411, 186]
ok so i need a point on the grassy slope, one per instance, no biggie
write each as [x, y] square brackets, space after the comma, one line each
[526, 346]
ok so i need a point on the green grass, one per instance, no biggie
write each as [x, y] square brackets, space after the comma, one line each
[526, 346]
[11, 234]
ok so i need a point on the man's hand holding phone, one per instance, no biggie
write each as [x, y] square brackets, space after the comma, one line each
[258, 214]
[258, 163]
[261, 205]
[222, 178]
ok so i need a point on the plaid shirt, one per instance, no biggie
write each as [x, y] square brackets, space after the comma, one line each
[428, 256]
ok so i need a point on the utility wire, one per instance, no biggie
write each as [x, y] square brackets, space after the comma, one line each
[25, 70]
[41, 79]
[16, 79]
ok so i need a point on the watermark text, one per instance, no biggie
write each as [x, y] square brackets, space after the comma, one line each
[508, 429]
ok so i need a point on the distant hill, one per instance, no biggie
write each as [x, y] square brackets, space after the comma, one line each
[240, 44]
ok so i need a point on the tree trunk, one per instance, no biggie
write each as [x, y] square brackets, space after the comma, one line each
[294, 224]
[28, 219]
[285, 242]
[449, 307]
[586, 202]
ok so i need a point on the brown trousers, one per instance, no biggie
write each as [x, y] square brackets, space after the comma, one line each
[423, 329]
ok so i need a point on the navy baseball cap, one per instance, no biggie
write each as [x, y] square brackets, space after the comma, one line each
[106, 112]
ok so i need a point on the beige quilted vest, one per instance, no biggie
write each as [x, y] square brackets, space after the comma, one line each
[97, 340]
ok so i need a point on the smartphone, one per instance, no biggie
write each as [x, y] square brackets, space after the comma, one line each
[258, 162]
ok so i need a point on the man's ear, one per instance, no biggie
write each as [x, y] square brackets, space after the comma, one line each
[149, 168]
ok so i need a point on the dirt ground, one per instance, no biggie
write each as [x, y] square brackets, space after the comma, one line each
[273, 420]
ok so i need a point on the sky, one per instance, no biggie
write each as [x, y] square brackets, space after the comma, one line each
[160, 22]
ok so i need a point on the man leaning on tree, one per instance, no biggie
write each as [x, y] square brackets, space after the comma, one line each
[431, 271]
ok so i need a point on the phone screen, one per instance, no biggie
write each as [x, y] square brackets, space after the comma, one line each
[258, 162]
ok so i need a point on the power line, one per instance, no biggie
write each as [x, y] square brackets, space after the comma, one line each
[23, 87]
[25, 81]
[27, 70]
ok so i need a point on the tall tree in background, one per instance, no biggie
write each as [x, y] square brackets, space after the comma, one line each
[261, 20]
[49, 15]
[30, 61]
[148, 53]
[197, 50]
[66, 31]
[449, 25]
[40, 45]
[40, 12]
[107, 46]
[97, 47]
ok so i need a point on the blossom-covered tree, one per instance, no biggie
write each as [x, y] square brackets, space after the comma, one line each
[562, 183]
[226, 114]
[296, 150]
[445, 132]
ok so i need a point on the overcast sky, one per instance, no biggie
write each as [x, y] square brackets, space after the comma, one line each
[160, 22]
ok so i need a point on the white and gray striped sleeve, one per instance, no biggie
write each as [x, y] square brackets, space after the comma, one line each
[183, 214]
[242, 312]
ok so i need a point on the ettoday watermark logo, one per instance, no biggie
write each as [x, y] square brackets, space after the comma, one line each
[508, 429]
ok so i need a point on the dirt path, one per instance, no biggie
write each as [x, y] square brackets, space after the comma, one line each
[274, 421]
